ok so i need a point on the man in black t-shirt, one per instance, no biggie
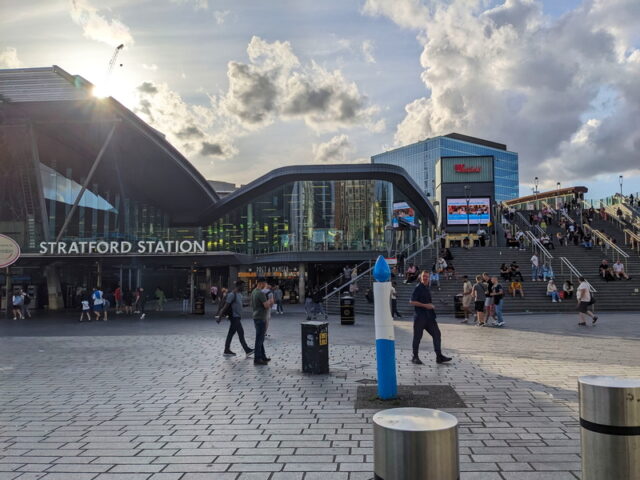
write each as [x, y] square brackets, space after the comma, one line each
[425, 319]
[497, 293]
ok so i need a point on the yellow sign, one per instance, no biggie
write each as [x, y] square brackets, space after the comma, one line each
[9, 251]
[324, 338]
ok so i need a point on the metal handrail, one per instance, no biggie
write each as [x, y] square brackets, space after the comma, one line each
[536, 243]
[574, 271]
[340, 288]
[426, 247]
[604, 238]
[635, 243]
[356, 268]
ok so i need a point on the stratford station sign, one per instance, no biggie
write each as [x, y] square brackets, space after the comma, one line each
[140, 247]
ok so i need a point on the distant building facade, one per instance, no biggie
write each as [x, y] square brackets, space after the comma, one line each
[419, 160]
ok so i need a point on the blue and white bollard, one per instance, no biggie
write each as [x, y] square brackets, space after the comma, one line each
[385, 339]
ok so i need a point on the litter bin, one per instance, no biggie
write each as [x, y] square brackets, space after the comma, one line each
[458, 311]
[610, 427]
[347, 310]
[415, 444]
[315, 347]
[198, 306]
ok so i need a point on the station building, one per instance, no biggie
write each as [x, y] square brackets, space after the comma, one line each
[96, 197]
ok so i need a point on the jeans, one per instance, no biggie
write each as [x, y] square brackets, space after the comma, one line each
[498, 310]
[279, 308]
[431, 326]
[534, 272]
[394, 308]
[235, 325]
[554, 296]
[261, 328]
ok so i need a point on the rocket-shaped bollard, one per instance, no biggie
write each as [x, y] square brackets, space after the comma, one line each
[385, 339]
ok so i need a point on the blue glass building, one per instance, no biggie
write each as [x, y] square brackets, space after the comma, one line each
[419, 160]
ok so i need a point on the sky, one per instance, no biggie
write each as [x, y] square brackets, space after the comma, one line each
[242, 87]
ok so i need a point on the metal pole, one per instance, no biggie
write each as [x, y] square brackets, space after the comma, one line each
[192, 292]
[94, 167]
[7, 281]
[385, 338]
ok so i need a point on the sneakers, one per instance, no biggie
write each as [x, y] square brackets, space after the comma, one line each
[554, 301]
[250, 352]
[416, 360]
[260, 362]
[595, 319]
[142, 316]
[442, 359]
[229, 353]
[500, 324]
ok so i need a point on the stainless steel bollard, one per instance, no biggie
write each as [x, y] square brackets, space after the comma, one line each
[415, 444]
[610, 433]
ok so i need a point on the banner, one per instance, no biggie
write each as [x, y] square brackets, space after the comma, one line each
[479, 211]
[403, 215]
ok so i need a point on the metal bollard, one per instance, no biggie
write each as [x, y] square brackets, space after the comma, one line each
[610, 433]
[415, 444]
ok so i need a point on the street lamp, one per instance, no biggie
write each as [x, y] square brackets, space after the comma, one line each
[466, 194]
[558, 185]
[535, 181]
[620, 180]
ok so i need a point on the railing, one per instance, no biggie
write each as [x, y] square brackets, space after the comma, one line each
[573, 272]
[606, 243]
[632, 239]
[537, 244]
[326, 286]
[367, 271]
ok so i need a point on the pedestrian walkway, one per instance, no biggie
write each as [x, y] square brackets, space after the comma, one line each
[157, 400]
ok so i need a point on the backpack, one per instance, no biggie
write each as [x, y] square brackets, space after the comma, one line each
[227, 311]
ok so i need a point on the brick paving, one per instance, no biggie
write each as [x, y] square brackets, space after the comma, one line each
[155, 400]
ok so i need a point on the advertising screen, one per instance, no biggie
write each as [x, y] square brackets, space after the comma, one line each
[403, 215]
[479, 211]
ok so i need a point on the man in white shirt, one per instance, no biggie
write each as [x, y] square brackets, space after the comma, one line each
[618, 270]
[535, 264]
[584, 300]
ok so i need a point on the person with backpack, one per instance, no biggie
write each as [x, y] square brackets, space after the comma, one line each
[233, 310]
[98, 302]
[17, 301]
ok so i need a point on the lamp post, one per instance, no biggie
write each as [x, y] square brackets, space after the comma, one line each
[466, 194]
[620, 178]
[535, 181]
[558, 186]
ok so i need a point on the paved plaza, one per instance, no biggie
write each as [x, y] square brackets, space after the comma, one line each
[155, 399]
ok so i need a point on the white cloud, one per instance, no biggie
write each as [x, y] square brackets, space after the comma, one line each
[153, 67]
[336, 150]
[96, 27]
[9, 58]
[220, 16]
[511, 74]
[274, 84]
[197, 4]
[406, 13]
[367, 51]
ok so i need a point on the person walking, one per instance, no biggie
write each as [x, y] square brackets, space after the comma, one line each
[26, 301]
[497, 294]
[127, 300]
[117, 295]
[535, 264]
[98, 302]
[467, 298]
[394, 301]
[585, 299]
[17, 301]
[185, 301]
[233, 308]
[260, 305]
[86, 308]
[161, 298]
[424, 318]
[141, 300]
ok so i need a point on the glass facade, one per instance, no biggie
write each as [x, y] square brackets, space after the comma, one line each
[419, 160]
[312, 216]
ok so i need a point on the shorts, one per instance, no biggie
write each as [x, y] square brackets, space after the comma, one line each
[466, 301]
[487, 301]
[98, 308]
[479, 306]
[583, 307]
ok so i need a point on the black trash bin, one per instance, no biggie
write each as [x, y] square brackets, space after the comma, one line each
[198, 306]
[347, 310]
[315, 347]
[458, 311]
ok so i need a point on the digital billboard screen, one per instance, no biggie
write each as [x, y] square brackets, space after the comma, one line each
[403, 215]
[479, 211]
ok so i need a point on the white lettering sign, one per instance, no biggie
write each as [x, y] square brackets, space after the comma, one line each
[141, 247]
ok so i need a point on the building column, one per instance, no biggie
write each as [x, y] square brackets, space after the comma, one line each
[233, 275]
[302, 271]
[54, 288]
[9, 293]
[99, 274]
